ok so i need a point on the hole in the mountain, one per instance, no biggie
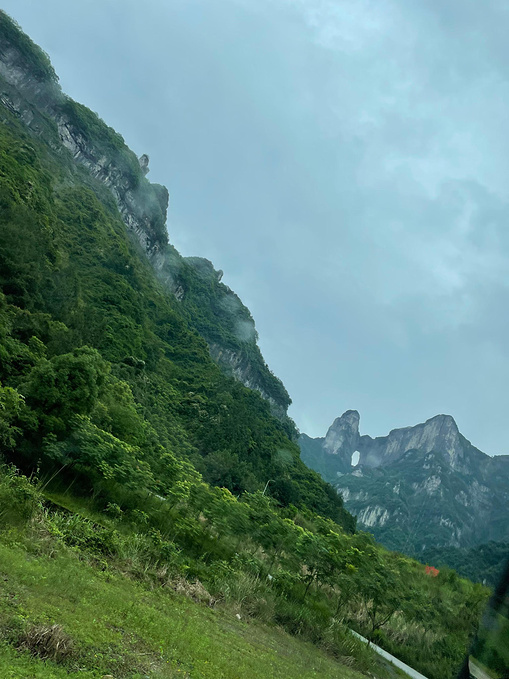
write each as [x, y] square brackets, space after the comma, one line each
[355, 458]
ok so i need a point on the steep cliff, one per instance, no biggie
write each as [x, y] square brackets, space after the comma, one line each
[89, 279]
[438, 433]
[333, 454]
[417, 487]
[30, 90]
[226, 324]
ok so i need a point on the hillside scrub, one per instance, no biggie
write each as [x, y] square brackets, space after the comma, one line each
[283, 568]
[67, 609]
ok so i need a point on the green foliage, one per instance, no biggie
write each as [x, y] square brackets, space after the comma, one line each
[216, 312]
[72, 278]
[100, 455]
[401, 489]
[484, 563]
[106, 143]
[11, 404]
[19, 499]
[310, 580]
[35, 59]
[65, 386]
[129, 628]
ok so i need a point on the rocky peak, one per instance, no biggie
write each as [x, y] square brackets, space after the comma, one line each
[343, 436]
[144, 161]
[440, 434]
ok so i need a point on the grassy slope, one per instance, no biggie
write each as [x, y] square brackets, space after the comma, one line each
[121, 627]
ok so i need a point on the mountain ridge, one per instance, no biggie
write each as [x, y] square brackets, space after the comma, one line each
[418, 486]
[30, 91]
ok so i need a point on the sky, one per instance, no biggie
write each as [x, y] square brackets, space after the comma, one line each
[345, 163]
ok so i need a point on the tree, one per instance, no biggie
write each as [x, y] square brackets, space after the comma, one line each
[64, 386]
[100, 455]
[11, 404]
[382, 590]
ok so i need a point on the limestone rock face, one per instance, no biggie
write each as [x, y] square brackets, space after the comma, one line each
[342, 437]
[439, 433]
[238, 365]
[144, 161]
[332, 456]
[40, 104]
[418, 486]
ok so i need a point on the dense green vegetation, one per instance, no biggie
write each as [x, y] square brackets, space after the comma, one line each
[490, 651]
[71, 278]
[484, 563]
[153, 465]
[66, 560]
[219, 316]
[79, 599]
[420, 516]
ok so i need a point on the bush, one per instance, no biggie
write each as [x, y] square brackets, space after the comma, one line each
[76, 531]
[19, 498]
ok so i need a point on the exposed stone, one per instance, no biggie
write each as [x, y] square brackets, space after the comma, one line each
[240, 367]
[416, 483]
[36, 102]
[179, 293]
[439, 433]
[373, 516]
[343, 436]
[144, 161]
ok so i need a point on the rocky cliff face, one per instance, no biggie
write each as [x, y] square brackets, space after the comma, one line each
[40, 104]
[439, 433]
[332, 455]
[417, 487]
[29, 89]
[342, 438]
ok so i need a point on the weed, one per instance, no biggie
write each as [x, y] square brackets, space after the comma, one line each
[47, 643]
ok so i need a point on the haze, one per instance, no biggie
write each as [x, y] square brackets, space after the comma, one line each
[345, 163]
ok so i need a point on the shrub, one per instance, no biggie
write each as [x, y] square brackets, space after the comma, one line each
[76, 531]
[19, 498]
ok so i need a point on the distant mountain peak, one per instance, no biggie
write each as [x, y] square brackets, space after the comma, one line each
[343, 433]
[440, 433]
[417, 486]
[342, 439]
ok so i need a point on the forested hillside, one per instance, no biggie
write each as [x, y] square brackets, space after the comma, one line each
[484, 563]
[128, 447]
[67, 259]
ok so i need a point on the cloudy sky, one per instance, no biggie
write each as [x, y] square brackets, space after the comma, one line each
[346, 163]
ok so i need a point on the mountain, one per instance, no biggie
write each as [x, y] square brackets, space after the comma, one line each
[418, 487]
[30, 92]
[485, 563]
[86, 265]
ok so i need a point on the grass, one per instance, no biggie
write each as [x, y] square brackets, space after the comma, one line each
[123, 628]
